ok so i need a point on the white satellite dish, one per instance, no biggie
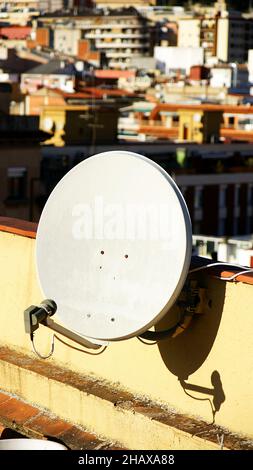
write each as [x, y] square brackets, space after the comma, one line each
[114, 245]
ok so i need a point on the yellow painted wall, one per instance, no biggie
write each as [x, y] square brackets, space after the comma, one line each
[220, 340]
[192, 121]
[54, 117]
[201, 126]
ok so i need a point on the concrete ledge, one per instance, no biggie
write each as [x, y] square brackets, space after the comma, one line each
[18, 227]
[20, 419]
[113, 414]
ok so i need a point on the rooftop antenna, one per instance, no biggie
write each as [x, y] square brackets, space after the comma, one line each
[113, 250]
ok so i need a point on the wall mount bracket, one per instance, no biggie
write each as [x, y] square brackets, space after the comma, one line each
[41, 314]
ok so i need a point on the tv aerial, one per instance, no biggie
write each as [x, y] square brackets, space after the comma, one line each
[113, 249]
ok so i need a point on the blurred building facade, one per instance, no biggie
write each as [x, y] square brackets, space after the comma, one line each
[20, 159]
[227, 38]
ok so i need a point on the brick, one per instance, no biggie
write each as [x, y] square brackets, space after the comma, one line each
[77, 439]
[17, 411]
[49, 426]
[4, 398]
[2, 427]
[32, 422]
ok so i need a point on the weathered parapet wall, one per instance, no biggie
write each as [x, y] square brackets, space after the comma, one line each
[213, 360]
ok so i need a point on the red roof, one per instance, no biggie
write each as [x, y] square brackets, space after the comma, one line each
[93, 92]
[15, 32]
[224, 108]
[114, 73]
[100, 92]
[79, 94]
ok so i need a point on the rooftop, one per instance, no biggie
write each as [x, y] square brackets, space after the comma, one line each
[212, 360]
[202, 107]
[15, 32]
[114, 73]
[54, 67]
[20, 419]
[16, 64]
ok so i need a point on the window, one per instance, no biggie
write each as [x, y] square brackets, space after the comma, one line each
[231, 121]
[249, 224]
[249, 221]
[235, 225]
[222, 196]
[250, 195]
[198, 197]
[197, 227]
[210, 247]
[237, 195]
[236, 209]
[175, 120]
[17, 183]
[222, 227]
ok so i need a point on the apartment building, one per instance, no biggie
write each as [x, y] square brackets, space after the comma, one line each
[42, 5]
[198, 32]
[122, 3]
[177, 61]
[11, 5]
[66, 40]
[119, 36]
[20, 157]
[234, 38]
[188, 32]
[216, 181]
[227, 37]
[219, 204]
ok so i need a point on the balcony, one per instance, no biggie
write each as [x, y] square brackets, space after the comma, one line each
[116, 35]
[127, 393]
[120, 44]
[120, 54]
[110, 26]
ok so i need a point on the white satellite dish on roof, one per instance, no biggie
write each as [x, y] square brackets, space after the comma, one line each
[114, 245]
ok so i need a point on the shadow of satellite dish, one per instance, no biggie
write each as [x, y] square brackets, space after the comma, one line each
[186, 353]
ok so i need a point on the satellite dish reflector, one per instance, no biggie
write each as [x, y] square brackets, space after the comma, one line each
[114, 245]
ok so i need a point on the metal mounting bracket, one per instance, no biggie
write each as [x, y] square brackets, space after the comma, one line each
[36, 315]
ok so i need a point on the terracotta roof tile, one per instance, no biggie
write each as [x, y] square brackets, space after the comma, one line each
[114, 73]
[17, 411]
[49, 426]
[18, 227]
[4, 398]
[36, 423]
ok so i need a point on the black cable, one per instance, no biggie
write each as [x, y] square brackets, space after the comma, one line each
[41, 356]
[160, 335]
[146, 342]
[100, 351]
